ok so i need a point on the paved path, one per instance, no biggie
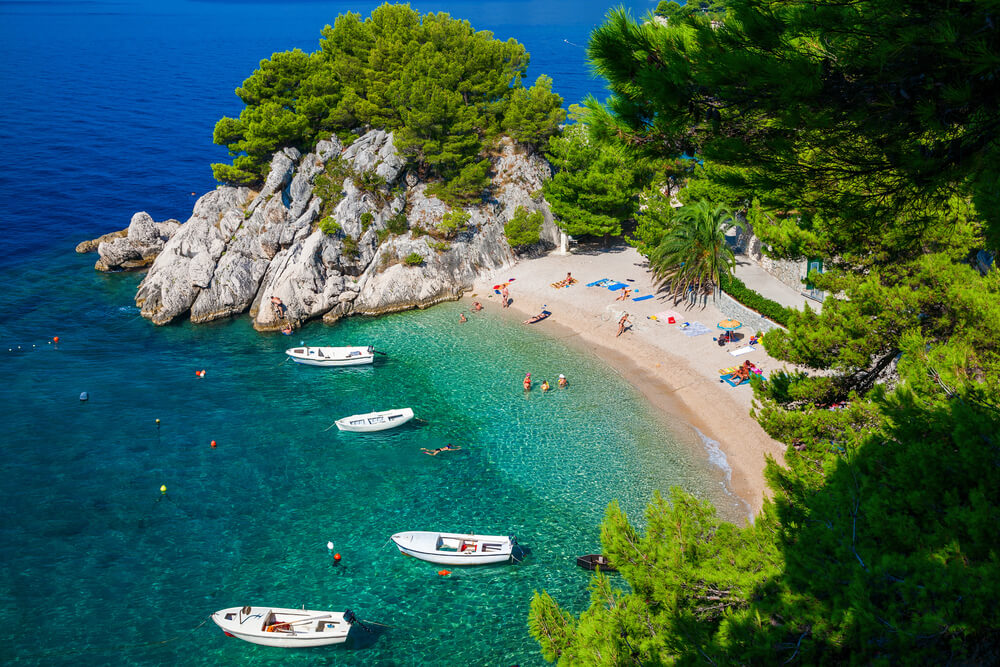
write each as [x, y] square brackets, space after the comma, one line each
[768, 286]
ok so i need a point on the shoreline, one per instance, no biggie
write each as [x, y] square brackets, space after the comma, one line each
[677, 374]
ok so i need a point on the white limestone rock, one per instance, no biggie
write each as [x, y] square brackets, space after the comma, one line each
[187, 263]
[375, 151]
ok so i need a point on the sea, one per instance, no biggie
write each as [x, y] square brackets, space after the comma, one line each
[128, 518]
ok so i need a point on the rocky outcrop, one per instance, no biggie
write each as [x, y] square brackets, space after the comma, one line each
[134, 247]
[287, 256]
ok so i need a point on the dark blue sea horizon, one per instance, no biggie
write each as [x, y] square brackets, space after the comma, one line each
[108, 109]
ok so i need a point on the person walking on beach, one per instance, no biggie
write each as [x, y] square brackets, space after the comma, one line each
[621, 325]
[505, 295]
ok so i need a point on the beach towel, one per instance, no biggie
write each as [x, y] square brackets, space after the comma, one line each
[643, 298]
[732, 383]
[733, 369]
[694, 329]
[666, 315]
[743, 350]
[614, 287]
[598, 283]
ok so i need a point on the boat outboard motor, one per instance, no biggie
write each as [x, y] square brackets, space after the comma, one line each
[349, 617]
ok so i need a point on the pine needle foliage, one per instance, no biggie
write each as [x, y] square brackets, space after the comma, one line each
[864, 133]
[444, 89]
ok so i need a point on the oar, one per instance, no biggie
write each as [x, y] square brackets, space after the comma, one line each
[306, 620]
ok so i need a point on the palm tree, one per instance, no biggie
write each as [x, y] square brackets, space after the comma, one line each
[694, 252]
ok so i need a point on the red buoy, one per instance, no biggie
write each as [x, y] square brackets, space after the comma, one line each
[55, 339]
[213, 443]
[444, 573]
[336, 557]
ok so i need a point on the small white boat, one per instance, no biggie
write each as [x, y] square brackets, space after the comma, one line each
[375, 421]
[455, 548]
[287, 628]
[332, 356]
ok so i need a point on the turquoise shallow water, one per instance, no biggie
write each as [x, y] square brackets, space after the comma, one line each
[87, 534]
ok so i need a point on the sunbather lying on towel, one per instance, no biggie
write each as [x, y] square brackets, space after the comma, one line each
[742, 373]
[565, 282]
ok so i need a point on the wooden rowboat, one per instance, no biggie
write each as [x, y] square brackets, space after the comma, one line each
[455, 548]
[593, 561]
[332, 356]
[286, 628]
[375, 421]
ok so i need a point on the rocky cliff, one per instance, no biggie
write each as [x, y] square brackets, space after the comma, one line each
[333, 232]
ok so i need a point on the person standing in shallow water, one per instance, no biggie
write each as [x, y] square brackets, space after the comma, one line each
[505, 295]
[527, 382]
[562, 381]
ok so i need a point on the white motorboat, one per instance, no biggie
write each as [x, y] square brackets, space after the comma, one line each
[375, 421]
[287, 628]
[455, 548]
[332, 356]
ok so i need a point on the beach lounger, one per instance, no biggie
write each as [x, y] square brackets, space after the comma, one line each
[743, 350]
[643, 298]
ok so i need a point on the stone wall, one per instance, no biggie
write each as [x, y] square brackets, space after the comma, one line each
[751, 319]
[789, 272]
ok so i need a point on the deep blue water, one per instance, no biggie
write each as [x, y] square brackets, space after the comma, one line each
[108, 108]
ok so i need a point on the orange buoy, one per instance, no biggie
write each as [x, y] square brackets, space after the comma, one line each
[444, 573]
[55, 339]
[213, 443]
[336, 557]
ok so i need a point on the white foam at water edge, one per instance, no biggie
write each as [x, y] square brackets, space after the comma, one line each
[717, 457]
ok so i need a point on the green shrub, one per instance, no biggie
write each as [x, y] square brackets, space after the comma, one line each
[441, 246]
[453, 222]
[349, 247]
[524, 228]
[381, 235]
[329, 185]
[329, 226]
[772, 310]
[397, 224]
[369, 181]
[413, 259]
[366, 221]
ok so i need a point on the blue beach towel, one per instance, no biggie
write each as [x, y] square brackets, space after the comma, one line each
[597, 283]
[732, 383]
[617, 286]
[694, 329]
[643, 298]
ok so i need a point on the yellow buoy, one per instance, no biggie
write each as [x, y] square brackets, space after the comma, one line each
[163, 488]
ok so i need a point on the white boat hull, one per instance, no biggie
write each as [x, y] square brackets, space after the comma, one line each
[284, 628]
[332, 356]
[375, 421]
[455, 548]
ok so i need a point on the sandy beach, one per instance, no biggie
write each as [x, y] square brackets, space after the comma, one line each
[679, 374]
